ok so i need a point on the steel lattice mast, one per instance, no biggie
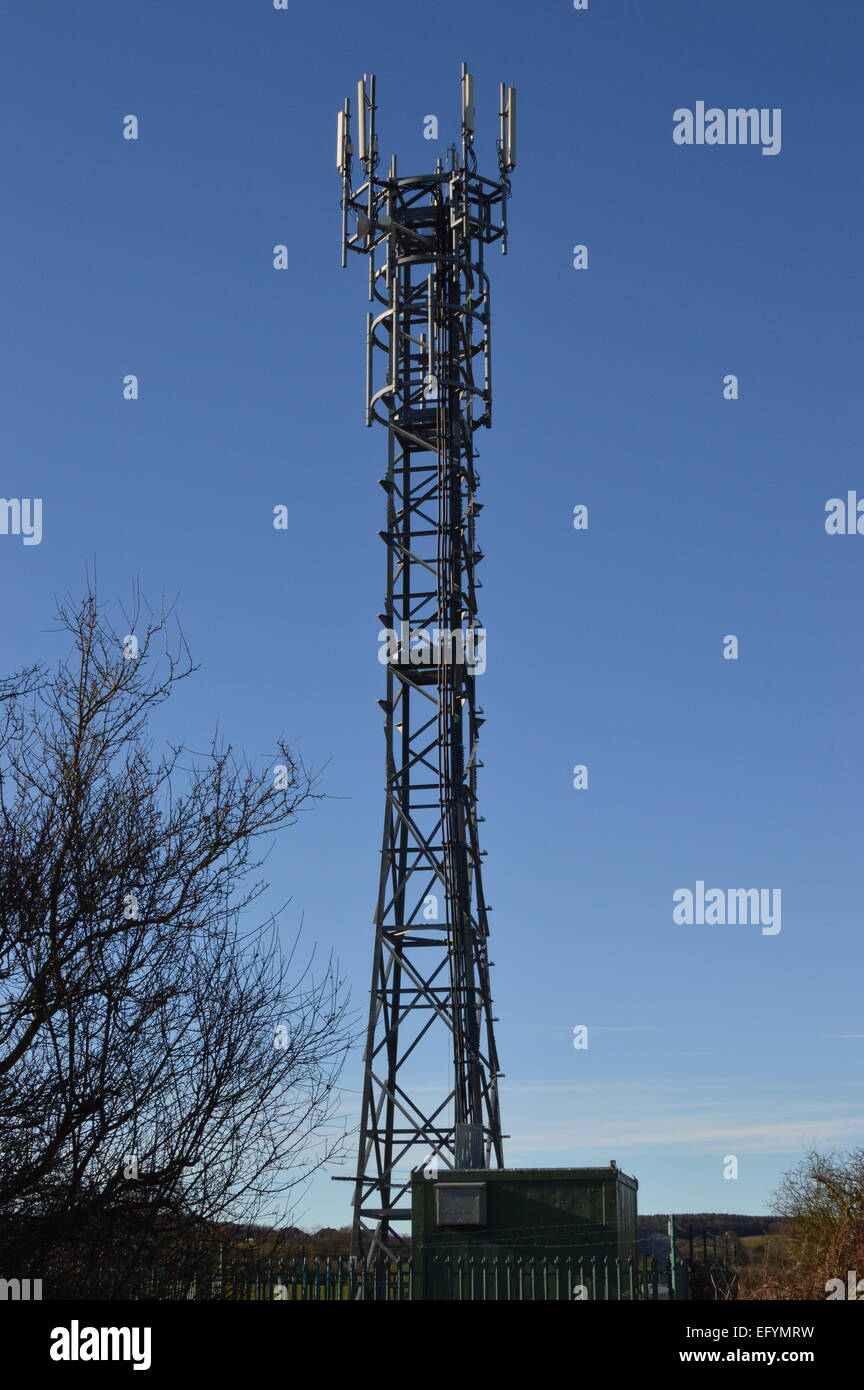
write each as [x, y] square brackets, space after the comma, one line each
[429, 384]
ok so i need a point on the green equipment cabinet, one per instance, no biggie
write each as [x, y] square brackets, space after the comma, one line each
[523, 1233]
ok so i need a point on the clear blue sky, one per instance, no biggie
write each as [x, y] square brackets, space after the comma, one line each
[605, 647]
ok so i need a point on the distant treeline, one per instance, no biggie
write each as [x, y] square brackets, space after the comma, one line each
[264, 1241]
[715, 1222]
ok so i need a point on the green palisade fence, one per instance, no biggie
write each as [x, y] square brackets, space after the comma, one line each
[453, 1277]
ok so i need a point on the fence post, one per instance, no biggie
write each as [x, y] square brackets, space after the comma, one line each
[673, 1272]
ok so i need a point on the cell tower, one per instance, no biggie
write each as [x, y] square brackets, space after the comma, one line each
[428, 381]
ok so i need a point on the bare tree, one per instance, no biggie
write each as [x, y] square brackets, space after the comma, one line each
[163, 1067]
[820, 1233]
